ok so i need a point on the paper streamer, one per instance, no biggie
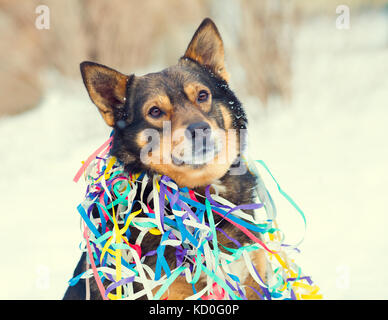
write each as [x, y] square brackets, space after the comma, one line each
[179, 220]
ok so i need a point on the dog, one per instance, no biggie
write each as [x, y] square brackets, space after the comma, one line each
[193, 97]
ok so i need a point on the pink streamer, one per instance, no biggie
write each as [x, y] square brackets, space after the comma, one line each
[90, 159]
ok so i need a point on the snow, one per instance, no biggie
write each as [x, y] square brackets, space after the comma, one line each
[327, 150]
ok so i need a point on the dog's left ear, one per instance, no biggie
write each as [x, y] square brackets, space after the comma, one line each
[206, 47]
[106, 88]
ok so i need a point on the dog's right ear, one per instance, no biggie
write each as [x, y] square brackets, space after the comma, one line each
[106, 88]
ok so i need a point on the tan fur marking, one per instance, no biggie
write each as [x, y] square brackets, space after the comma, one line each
[227, 117]
[162, 102]
[185, 176]
[141, 139]
[192, 90]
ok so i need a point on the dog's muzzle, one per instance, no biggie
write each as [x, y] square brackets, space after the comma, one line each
[200, 145]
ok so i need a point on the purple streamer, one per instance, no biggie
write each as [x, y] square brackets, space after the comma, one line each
[250, 206]
[308, 279]
[293, 297]
[210, 199]
[121, 282]
[259, 294]
[242, 295]
[161, 200]
[265, 290]
[149, 253]
[238, 244]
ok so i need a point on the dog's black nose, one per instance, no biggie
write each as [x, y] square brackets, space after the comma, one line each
[202, 128]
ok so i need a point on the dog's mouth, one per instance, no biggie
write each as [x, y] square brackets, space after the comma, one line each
[196, 154]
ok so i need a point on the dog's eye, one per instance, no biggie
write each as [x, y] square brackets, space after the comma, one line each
[203, 95]
[155, 112]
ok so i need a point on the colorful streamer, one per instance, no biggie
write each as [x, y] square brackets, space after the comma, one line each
[183, 223]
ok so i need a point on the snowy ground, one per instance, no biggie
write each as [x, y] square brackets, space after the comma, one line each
[328, 150]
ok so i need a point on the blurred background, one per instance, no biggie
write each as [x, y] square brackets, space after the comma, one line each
[311, 74]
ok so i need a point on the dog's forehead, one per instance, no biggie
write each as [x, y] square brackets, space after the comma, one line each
[169, 81]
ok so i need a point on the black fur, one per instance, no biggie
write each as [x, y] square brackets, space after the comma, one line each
[129, 121]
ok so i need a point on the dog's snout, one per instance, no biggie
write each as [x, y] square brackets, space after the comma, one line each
[198, 127]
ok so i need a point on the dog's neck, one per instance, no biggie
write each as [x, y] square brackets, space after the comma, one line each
[237, 189]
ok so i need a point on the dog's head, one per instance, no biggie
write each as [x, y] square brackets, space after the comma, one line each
[183, 122]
